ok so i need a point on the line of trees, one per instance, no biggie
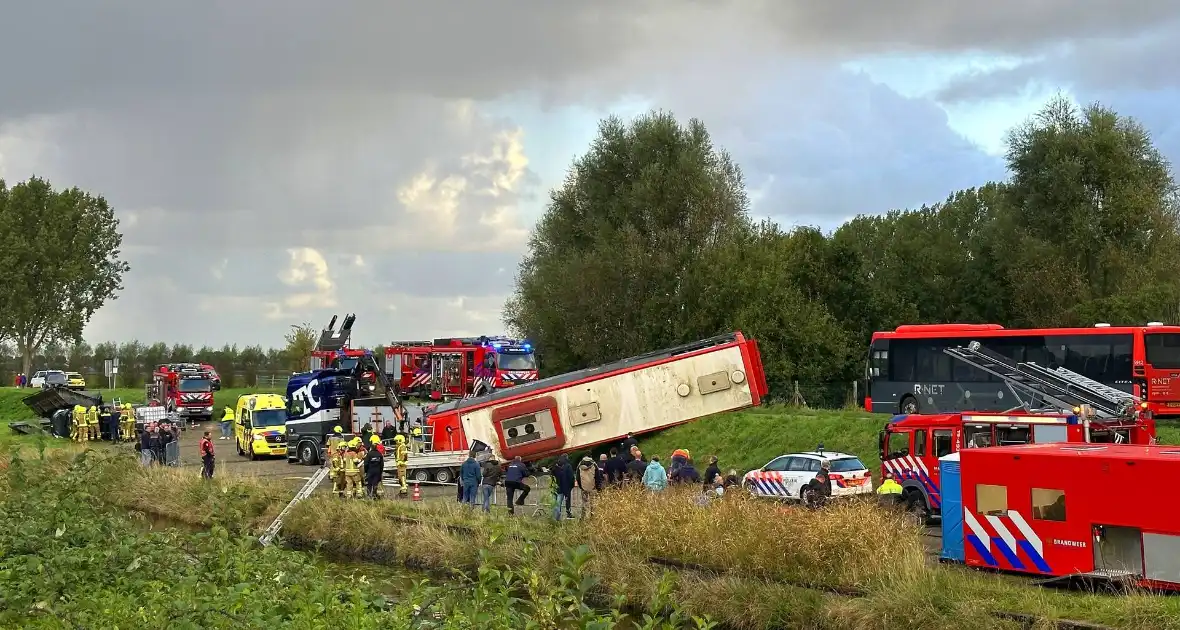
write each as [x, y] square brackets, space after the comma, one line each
[649, 243]
[238, 367]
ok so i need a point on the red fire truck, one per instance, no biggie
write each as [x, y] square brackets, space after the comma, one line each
[184, 388]
[597, 405]
[1083, 512]
[457, 367]
[1059, 406]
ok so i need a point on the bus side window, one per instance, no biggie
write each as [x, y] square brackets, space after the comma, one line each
[920, 442]
[944, 442]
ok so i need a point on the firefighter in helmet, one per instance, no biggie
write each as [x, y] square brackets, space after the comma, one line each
[402, 457]
[83, 424]
[128, 422]
[92, 423]
[352, 471]
[336, 459]
[77, 417]
[374, 467]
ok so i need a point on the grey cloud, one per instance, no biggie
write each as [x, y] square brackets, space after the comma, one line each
[1009, 26]
[1140, 62]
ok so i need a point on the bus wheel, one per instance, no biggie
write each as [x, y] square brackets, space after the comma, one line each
[908, 405]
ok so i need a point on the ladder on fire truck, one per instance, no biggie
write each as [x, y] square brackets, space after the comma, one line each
[1043, 387]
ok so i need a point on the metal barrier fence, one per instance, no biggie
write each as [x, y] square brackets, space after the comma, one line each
[172, 453]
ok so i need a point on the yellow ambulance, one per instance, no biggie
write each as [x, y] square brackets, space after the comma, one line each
[260, 425]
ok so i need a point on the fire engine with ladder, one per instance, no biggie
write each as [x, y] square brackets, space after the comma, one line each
[448, 368]
[1054, 406]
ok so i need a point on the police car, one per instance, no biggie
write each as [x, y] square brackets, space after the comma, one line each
[786, 476]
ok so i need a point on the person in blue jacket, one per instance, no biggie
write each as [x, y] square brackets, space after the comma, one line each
[470, 475]
[655, 477]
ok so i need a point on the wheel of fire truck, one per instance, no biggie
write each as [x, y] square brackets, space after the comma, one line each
[443, 475]
[915, 506]
[309, 455]
[421, 475]
[908, 405]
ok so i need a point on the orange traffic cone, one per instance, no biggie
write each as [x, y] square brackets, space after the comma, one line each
[417, 492]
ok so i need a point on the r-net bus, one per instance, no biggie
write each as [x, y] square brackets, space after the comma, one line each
[908, 372]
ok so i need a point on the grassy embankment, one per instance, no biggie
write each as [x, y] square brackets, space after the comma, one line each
[68, 561]
[747, 563]
[744, 562]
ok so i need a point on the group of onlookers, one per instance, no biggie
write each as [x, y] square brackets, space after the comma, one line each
[477, 482]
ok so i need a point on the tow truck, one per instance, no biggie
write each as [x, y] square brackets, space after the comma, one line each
[1054, 405]
[321, 399]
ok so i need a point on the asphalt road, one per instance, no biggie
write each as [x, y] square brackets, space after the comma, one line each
[295, 475]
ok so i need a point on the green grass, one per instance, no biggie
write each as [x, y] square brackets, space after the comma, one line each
[748, 439]
[12, 408]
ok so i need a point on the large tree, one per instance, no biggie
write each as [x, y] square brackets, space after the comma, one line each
[1091, 215]
[60, 258]
[611, 262]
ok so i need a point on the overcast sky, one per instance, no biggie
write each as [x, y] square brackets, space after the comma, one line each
[277, 161]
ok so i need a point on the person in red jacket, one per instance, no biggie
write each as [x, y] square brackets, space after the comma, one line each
[206, 451]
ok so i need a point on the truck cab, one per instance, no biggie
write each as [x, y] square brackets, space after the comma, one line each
[260, 428]
[313, 408]
[911, 445]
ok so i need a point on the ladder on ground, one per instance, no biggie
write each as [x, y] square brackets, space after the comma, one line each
[304, 492]
[1042, 386]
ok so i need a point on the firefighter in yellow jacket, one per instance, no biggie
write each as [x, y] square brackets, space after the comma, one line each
[76, 419]
[402, 456]
[352, 472]
[83, 424]
[92, 422]
[128, 422]
[336, 459]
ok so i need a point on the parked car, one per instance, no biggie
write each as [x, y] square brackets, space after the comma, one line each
[55, 378]
[787, 476]
[38, 379]
[75, 381]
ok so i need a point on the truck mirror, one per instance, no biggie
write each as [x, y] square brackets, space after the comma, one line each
[882, 439]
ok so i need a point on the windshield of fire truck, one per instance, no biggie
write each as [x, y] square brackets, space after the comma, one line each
[515, 362]
[191, 385]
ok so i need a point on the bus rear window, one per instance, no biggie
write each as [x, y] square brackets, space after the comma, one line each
[1163, 350]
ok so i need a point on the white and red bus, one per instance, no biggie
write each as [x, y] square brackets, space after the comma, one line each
[908, 372]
